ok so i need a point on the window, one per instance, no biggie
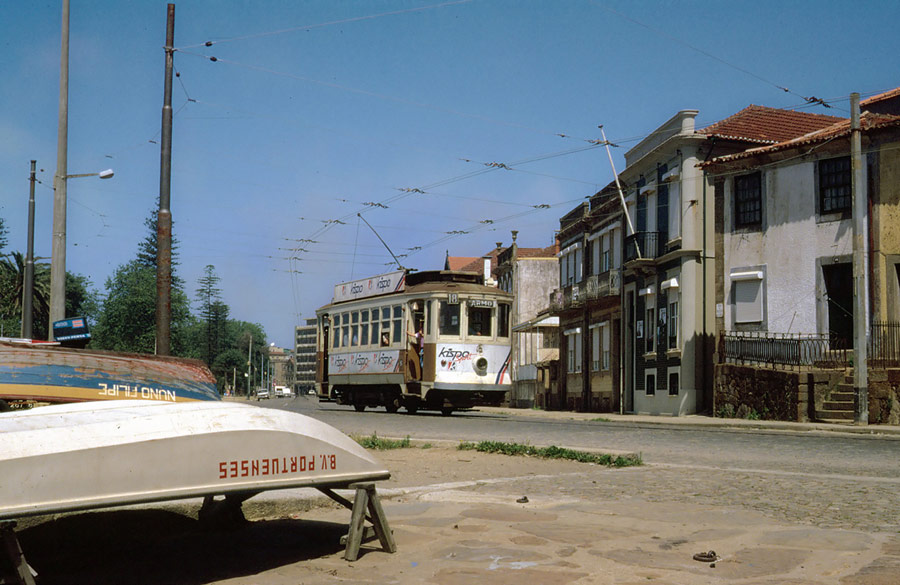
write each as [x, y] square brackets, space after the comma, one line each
[354, 328]
[747, 297]
[570, 265]
[428, 317]
[375, 327]
[600, 347]
[573, 339]
[449, 318]
[604, 253]
[748, 200]
[835, 185]
[651, 329]
[479, 319]
[398, 324]
[364, 327]
[673, 321]
[673, 383]
[503, 320]
[650, 384]
[336, 332]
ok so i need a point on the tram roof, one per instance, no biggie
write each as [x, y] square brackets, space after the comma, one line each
[437, 281]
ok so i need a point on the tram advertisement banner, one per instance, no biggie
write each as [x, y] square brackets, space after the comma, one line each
[364, 362]
[368, 287]
[462, 363]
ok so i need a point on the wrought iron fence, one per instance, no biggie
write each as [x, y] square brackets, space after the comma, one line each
[642, 245]
[806, 351]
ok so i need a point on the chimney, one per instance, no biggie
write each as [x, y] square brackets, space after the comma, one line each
[487, 269]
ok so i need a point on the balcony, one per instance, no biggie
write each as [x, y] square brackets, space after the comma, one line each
[642, 246]
[606, 284]
[570, 297]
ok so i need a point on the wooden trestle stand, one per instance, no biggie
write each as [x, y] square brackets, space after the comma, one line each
[366, 499]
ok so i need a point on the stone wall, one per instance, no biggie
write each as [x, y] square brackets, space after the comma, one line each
[749, 392]
[884, 397]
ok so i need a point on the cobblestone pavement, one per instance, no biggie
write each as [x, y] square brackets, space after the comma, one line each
[460, 517]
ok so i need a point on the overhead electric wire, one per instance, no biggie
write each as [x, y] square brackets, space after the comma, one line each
[324, 24]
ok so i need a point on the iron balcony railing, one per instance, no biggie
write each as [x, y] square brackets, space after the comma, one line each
[570, 297]
[605, 284]
[642, 246]
[800, 351]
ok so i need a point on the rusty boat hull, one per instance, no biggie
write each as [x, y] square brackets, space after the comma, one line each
[42, 372]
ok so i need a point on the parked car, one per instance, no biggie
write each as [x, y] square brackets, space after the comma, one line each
[262, 393]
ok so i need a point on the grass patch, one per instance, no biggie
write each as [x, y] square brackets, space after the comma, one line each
[552, 453]
[600, 419]
[376, 442]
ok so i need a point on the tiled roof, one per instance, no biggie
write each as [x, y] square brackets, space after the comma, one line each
[461, 263]
[548, 252]
[868, 121]
[880, 97]
[768, 125]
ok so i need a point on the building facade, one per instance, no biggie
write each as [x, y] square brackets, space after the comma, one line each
[305, 357]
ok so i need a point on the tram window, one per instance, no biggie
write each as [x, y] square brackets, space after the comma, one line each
[354, 330]
[345, 335]
[449, 318]
[354, 317]
[398, 329]
[386, 314]
[480, 321]
[374, 339]
[428, 317]
[503, 320]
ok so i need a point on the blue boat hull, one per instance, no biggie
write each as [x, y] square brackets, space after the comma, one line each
[45, 373]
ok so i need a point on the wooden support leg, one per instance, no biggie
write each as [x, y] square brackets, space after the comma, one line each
[22, 574]
[367, 500]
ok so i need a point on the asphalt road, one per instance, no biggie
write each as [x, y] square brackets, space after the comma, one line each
[814, 454]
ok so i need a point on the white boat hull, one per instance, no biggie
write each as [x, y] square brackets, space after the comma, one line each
[90, 455]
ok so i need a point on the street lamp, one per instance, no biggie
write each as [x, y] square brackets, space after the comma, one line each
[58, 253]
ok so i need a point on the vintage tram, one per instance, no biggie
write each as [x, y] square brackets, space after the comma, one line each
[436, 340]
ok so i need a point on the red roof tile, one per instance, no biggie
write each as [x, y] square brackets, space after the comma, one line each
[768, 125]
[880, 97]
[868, 121]
[460, 262]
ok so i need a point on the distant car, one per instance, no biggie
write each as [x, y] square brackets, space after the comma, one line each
[283, 392]
[262, 393]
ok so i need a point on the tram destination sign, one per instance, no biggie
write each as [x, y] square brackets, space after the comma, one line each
[370, 287]
[485, 303]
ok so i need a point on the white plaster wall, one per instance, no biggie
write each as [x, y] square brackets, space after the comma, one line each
[788, 248]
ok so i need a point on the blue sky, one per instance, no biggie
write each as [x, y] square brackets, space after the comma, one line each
[317, 110]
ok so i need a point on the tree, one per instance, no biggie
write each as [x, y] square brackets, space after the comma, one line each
[211, 308]
[127, 319]
[81, 299]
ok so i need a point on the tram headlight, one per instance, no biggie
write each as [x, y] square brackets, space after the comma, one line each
[480, 365]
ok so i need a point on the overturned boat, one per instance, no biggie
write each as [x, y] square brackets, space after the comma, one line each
[44, 372]
[80, 456]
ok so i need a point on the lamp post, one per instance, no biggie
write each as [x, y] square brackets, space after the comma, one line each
[58, 254]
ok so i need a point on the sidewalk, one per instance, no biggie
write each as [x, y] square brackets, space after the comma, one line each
[698, 421]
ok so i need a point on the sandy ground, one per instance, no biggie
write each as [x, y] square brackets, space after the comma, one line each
[460, 517]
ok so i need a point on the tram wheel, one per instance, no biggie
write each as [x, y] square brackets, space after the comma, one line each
[412, 408]
[359, 407]
[392, 404]
[447, 411]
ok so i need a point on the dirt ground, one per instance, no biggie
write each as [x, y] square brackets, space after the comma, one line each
[462, 517]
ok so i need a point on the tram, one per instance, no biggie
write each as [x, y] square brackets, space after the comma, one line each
[435, 340]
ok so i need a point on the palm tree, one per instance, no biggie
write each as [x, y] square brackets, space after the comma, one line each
[12, 283]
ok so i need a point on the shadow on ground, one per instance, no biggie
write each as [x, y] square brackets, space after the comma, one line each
[156, 546]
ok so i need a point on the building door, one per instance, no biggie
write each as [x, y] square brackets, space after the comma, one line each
[839, 296]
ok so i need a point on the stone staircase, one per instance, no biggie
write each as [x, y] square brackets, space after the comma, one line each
[839, 405]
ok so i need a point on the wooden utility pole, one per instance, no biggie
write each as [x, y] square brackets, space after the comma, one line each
[860, 266]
